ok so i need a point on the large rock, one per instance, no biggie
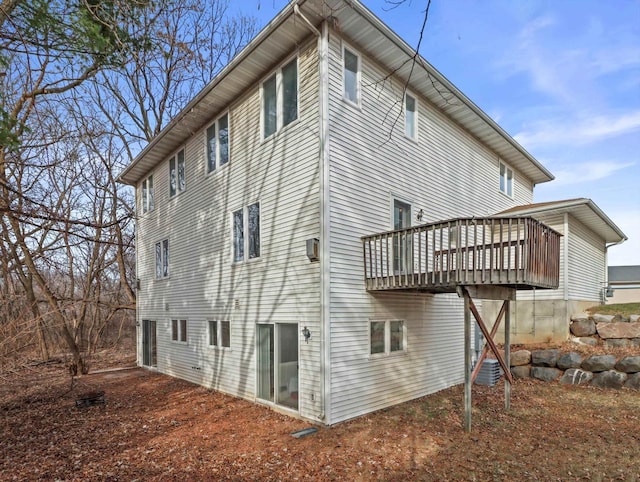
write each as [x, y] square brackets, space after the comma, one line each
[633, 381]
[617, 342]
[520, 357]
[585, 340]
[521, 371]
[618, 330]
[570, 360]
[576, 376]
[630, 364]
[599, 363]
[634, 318]
[583, 328]
[547, 374]
[635, 342]
[599, 318]
[609, 379]
[545, 358]
[580, 317]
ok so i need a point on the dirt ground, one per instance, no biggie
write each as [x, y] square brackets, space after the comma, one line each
[153, 427]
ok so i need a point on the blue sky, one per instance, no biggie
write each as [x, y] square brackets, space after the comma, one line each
[562, 77]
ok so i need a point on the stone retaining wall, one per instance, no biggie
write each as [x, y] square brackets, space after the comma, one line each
[608, 330]
[604, 371]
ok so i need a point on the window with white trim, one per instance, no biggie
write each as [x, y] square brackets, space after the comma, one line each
[410, 117]
[280, 99]
[146, 195]
[506, 179]
[387, 337]
[179, 330]
[162, 259]
[220, 333]
[218, 143]
[246, 233]
[177, 174]
[351, 75]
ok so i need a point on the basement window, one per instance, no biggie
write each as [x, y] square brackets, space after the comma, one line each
[387, 337]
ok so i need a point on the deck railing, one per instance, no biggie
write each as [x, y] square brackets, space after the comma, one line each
[517, 252]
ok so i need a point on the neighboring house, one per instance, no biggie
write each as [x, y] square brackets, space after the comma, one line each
[258, 270]
[624, 284]
[587, 234]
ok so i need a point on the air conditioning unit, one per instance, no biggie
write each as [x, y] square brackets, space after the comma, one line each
[490, 373]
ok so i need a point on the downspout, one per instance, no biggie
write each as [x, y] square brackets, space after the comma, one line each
[605, 289]
[565, 268]
[323, 156]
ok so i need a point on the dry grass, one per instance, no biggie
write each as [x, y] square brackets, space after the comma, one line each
[625, 309]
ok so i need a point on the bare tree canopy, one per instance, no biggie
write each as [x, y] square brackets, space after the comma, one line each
[83, 84]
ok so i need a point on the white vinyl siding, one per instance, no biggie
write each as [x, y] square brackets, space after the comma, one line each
[448, 174]
[587, 263]
[281, 286]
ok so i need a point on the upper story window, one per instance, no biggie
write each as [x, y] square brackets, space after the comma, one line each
[146, 196]
[410, 117]
[351, 75]
[280, 99]
[177, 176]
[218, 143]
[506, 179]
[246, 233]
[162, 259]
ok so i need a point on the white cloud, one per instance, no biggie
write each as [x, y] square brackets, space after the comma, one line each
[591, 128]
[588, 171]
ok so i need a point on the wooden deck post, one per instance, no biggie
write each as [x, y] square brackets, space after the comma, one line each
[467, 361]
[507, 353]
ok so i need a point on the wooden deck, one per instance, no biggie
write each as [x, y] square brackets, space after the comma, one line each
[520, 253]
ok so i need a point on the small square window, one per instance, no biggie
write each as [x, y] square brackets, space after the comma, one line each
[219, 333]
[179, 330]
[387, 337]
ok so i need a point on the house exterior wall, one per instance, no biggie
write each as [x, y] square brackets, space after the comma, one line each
[281, 286]
[446, 173]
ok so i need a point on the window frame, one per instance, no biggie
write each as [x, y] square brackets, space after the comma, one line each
[416, 116]
[174, 160]
[358, 80]
[179, 330]
[147, 194]
[506, 185]
[387, 345]
[215, 334]
[162, 257]
[246, 235]
[217, 161]
[277, 76]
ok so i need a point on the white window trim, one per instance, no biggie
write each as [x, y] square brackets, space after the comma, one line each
[218, 322]
[216, 123]
[387, 338]
[147, 207]
[417, 117]
[245, 224]
[175, 156]
[507, 168]
[162, 259]
[179, 331]
[358, 103]
[279, 98]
